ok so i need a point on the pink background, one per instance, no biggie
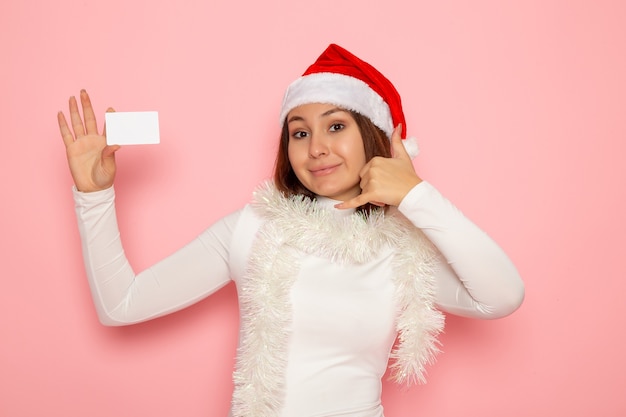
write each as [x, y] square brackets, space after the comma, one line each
[519, 108]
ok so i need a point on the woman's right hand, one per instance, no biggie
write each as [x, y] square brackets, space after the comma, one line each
[91, 160]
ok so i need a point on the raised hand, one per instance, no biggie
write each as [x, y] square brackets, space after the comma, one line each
[91, 160]
[386, 181]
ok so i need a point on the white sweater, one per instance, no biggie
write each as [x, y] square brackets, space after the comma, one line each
[342, 329]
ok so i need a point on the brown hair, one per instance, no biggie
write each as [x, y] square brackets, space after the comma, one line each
[375, 143]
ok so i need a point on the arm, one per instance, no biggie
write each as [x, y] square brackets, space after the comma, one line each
[475, 278]
[122, 297]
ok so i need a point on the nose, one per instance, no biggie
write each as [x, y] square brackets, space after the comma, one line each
[318, 146]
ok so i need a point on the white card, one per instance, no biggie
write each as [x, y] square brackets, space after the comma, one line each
[132, 128]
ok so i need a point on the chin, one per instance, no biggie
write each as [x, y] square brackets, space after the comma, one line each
[334, 194]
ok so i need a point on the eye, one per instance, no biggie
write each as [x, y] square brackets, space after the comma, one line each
[335, 127]
[300, 134]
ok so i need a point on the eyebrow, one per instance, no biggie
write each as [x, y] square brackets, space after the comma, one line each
[326, 113]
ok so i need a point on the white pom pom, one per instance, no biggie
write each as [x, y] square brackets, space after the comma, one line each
[410, 144]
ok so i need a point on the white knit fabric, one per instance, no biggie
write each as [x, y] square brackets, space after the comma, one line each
[342, 325]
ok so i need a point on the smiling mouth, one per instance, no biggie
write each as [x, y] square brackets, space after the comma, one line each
[319, 172]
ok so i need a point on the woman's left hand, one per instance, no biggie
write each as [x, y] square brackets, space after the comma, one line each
[386, 181]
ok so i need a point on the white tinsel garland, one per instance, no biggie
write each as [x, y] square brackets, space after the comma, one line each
[297, 224]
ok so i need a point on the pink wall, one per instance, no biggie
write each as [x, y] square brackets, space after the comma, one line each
[519, 107]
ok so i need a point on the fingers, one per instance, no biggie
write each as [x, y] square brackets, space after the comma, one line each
[358, 201]
[80, 128]
[77, 122]
[355, 202]
[66, 134]
[104, 131]
[386, 181]
[109, 151]
[88, 114]
[397, 147]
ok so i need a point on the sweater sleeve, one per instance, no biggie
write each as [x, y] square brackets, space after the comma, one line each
[123, 297]
[474, 278]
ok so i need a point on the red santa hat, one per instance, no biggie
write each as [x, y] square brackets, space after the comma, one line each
[338, 77]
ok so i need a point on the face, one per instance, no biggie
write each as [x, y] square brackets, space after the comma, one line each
[326, 150]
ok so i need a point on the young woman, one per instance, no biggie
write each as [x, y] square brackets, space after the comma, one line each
[344, 253]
